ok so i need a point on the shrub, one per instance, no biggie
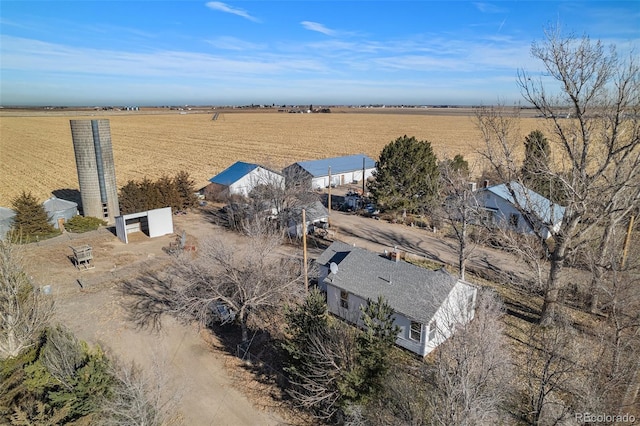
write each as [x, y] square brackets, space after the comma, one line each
[80, 224]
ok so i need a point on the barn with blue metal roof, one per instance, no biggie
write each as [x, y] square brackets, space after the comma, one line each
[240, 178]
[343, 170]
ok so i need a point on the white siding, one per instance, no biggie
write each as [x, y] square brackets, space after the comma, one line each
[340, 178]
[453, 311]
[257, 176]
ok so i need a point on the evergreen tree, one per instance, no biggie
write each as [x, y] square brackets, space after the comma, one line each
[131, 198]
[169, 196]
[406, 176]
[31, 219]
[186, 190]
[535, 168]
[373, 345]
[304, 323]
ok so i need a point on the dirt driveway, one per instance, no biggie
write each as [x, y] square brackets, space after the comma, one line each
[90, 304]
[214, 390]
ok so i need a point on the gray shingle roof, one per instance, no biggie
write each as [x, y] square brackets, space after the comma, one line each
[411, 290]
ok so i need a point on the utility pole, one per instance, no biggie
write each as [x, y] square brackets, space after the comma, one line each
[304, 251]
[329, 198]
[363, 179]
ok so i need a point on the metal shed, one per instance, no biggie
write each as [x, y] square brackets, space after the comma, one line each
[344, 170]
[58, 208]
[154, 223]
[6, 220]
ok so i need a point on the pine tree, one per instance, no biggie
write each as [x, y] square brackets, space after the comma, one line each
[373, 344]
[304, 323]
[31, 220]
[406, 176]
[186, 190]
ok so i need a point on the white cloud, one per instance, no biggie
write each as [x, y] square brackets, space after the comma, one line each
[314, 26]
[488, 8]
[222, 7]
[234, 43]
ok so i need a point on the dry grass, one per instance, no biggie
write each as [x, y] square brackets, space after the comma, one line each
[36, 150]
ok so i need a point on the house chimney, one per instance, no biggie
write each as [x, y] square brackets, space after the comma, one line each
[485, 184]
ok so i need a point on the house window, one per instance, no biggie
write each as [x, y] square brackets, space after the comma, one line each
[432, 331]
[487, 216]
[514, 219]
[344, 299]
[415, 332]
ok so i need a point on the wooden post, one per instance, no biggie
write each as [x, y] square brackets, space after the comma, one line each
[329, 199]
[304, 251]
[627, 240]
[363, 180]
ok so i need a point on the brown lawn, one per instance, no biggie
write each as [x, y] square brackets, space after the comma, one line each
[36, 149]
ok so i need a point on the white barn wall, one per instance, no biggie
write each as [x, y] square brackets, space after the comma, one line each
[257, 176]
[338, 179]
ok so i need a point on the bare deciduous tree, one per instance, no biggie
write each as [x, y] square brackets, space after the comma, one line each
[460, 209]
[595, 141]
[550, 373]
[24, 311]
[248, 279]
[142, 398]
[472, 370]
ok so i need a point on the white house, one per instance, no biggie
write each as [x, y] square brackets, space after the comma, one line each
[525, 213]
[347, 169]
[427, 304]
[240, 178]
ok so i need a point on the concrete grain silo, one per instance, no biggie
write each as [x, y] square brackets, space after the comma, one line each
[96, 170]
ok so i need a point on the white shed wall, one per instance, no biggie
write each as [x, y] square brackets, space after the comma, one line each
[160, 222]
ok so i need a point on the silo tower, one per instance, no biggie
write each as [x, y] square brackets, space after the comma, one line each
[96, 170]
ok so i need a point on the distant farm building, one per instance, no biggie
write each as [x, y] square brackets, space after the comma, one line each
[241, 178]
[343, 170]
[60, 210]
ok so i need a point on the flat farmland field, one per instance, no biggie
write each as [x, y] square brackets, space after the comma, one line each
[36, 149]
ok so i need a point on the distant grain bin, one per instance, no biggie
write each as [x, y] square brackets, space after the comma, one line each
[96, 170]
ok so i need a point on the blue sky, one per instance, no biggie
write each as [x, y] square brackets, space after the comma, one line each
[285, 52]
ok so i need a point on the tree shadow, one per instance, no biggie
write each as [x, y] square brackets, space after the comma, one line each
[149, 297]
[69, 195]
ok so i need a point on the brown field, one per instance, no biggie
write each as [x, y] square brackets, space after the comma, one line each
[36, 149]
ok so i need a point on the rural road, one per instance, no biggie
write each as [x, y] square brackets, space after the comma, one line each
[380, 235]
